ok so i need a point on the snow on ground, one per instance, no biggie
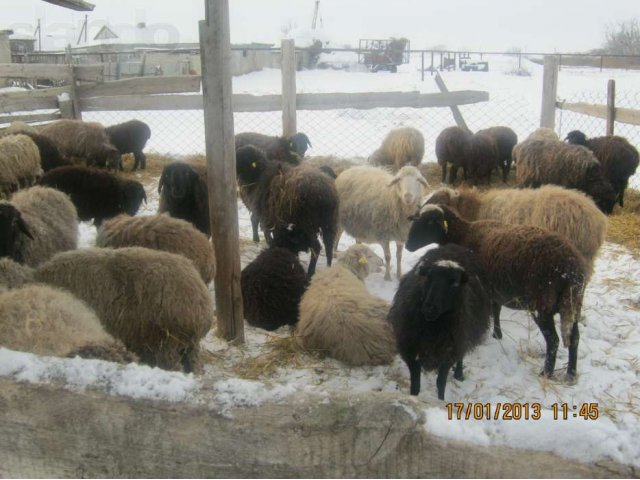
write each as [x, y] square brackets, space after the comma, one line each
[497, 371]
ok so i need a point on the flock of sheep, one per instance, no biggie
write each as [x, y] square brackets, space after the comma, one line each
[141, 294]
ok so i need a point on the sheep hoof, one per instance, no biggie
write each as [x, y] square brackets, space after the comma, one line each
[543, 373]
[569, 378]
[497, 334]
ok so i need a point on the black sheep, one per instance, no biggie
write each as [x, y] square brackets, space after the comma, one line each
[184, 194]
[282, 149]
[278, 194]
[440, 313]
[618, 157]
[300, 142]
[130, 137]
[273, 284]
[96, 194]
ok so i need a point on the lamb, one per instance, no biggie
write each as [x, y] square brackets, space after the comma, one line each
[440, 312]
[278, 194]
[375, 206]
[567, 212]
[13, 274]
[542, 162]
[154, 302]
[619, 159]
[130, 137]
[402, 146]
[452, 147]
[50, 156]
[38, 223]
[96, 194]
[48, 321]
[273, 283]
[282, 149]
[160, 232]
[19, 163]
[528, 268]
[340, 318]
[184, 194]
[83, 142]
[505, 139]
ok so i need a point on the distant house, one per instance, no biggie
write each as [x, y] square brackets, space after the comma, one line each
[105, 33]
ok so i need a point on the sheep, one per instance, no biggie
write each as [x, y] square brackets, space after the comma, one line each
[340, 318]
[440, 312]
[618, 157]
[375, 206]
[505, 139]
[300, 142]
[38, 223]
[154, 302]
[527, 267]
[572, 166]
[452, 146]
[96, 194]
[567, 212]
[160, 232]
[278, 194]
[13, 274]
[19, 163]
[50, 156]
[402, 146]
[184, 194]
[48, 321]
[338, 165]
[482, 157]
[273, 283]
[130, 137]
[275, 148]
[543, 133]
[83, 142]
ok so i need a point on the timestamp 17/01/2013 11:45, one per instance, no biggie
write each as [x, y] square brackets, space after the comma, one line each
[519, 411]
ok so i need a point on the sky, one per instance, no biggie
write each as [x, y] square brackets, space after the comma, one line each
[490, 25]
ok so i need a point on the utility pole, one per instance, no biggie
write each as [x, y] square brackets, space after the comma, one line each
[315, 15]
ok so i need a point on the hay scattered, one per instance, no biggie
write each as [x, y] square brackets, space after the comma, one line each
[624, 229]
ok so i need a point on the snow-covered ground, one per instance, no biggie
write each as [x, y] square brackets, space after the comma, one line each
[497, 371]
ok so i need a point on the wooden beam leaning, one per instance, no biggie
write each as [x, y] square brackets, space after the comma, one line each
[215, 51]
[457, 114]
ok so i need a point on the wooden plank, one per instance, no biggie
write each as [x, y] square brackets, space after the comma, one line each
[30, 118]
[288, 73]
[142, 86]
[457, 114]
[141, 102]
[622, 115]
[628, 115]
[30, 100]
[77, 5]
[215, 51]
[611, 106]
[549, 92]
[93, 72]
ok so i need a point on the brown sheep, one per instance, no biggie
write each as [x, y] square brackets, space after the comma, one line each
[452, 147]
[402, 146]
[505, 139]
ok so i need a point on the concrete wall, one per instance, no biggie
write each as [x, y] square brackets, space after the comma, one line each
[50, 431]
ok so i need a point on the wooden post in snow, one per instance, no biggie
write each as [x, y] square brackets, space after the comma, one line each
[549, 92]
[611, 105]
[73, 93]
[457, 114]
[215, 51]
[288, 70]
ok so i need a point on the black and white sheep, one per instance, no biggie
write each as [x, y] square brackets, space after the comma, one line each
[154, 302]
[289, 150]
[130, 137]
[402, 146]
[375, 206]
[96, 194]
[440, 312]
[527, 267]
[19, 163]
[184, 194]
[278, 194]
[619, 159]
[38, 223]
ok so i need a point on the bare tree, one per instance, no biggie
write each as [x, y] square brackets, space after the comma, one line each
[623, 38]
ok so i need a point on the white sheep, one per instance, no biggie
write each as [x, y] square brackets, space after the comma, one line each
[19, 163]
[340, 318]
[375, 206]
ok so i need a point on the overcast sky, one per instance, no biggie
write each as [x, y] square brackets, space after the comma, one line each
[542, 25]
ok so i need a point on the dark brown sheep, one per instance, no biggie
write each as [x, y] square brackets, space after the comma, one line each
[505, 139]
[482, 157]
[276, 148]
[130, 137]
[452, 148]
[527, 267]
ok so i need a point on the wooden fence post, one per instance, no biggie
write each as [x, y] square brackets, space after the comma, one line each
[422, 65]
[288, 70]
[549, 92]
[457, 115]
[215, 51]
[611, 105]
[73, 93]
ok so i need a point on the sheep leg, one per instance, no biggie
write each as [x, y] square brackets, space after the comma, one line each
[621, 198]
[328, 237]
[453, 173]
[414, 374]
[506, 166]
[457, 373]
[444, 173]
[315, 253]
[548, 329]
[497, 331]
[441, 381]
[336, 241]
[399, 247]
[254, 228]
[387, 261]
[573, 352]
[140, 161]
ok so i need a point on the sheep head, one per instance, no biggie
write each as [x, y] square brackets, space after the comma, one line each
[409, 184]
[445, 280]
[443, 196]
[299, 143]
[250, 163]
[361, 260]
[131, 196]
[428, 226]
[11, 226]
[178, 177]
[576, 137]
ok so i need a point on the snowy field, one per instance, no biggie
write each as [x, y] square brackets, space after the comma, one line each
[498, 371]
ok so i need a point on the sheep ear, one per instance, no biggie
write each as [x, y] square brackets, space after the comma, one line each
[23, 227]
[393, 182]
[423, 181]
